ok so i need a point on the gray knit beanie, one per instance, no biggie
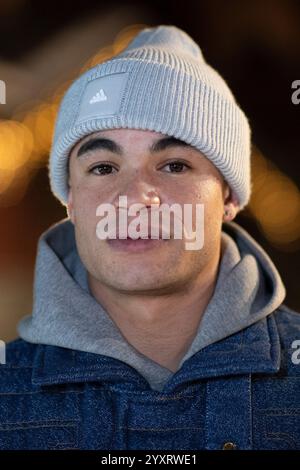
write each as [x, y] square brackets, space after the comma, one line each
[162, 83]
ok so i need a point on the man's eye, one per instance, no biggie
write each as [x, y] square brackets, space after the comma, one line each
[101, 169]
[176, 166]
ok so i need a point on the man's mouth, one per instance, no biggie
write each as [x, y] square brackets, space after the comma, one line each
[136, 244]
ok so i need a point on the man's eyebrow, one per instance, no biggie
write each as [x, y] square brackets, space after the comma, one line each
[100, 143]
[167, 142]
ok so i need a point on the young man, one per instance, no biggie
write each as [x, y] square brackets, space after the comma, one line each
[142, 343]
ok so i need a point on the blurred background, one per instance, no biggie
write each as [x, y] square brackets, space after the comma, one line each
[255, 45]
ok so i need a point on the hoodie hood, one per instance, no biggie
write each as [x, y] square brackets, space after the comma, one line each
[65, 314]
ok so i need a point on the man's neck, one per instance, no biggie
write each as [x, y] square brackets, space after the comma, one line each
[162, 327]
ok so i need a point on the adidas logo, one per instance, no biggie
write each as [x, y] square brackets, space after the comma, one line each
[99, 96]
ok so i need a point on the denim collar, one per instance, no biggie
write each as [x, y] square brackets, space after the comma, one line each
[255, 349]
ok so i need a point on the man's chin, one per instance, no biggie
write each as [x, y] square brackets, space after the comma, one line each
[133, 279]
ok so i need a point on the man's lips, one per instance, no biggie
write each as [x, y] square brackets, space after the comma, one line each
[140, 238]
[148, 236]
[135, 245]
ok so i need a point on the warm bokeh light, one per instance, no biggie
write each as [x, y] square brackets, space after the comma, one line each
[16, 145]
[275, 202]
[16, 142]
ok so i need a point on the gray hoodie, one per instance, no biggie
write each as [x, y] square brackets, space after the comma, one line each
[65, 313]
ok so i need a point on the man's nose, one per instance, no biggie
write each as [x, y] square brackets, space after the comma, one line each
[140, 192]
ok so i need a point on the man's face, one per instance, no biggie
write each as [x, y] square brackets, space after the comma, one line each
[128, 163]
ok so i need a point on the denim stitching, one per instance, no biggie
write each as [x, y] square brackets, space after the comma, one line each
[162, 429]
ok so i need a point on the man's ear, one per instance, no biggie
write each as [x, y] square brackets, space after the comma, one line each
[231, 206]
[70, 208]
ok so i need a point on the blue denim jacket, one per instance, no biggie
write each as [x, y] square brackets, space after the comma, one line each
[244, 390]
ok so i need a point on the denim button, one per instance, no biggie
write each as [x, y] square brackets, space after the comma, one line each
[229, 446]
